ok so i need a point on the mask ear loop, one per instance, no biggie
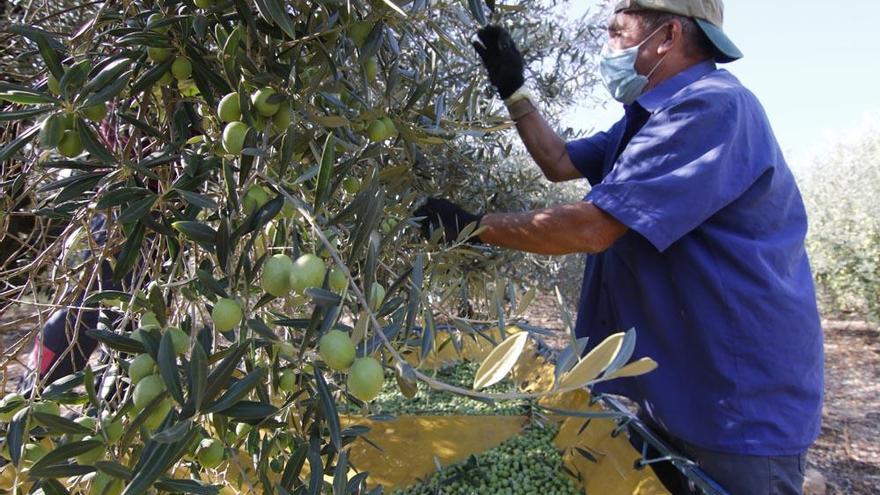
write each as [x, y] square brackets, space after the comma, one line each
[650, 36]
[657, 65]
[651, 73]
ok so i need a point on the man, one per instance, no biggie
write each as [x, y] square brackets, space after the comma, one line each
[694, 230]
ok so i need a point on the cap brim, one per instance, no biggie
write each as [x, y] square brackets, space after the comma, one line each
[725, 50]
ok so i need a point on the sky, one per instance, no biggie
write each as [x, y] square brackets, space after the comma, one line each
[815, 66]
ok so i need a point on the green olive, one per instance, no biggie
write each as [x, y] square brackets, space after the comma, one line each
[528, 463]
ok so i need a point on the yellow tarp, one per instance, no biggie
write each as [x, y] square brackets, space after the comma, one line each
[410, 443]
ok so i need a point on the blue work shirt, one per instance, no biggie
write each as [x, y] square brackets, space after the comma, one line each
[712, 273]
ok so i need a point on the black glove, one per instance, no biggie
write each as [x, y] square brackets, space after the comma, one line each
[501, 59]
[453, 218]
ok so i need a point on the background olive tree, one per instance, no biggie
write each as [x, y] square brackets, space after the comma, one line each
[840, 189]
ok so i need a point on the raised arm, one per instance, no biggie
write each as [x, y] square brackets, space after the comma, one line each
[505, 66]
[545, 146]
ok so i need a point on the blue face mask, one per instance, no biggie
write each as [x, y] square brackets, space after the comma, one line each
[618, 70]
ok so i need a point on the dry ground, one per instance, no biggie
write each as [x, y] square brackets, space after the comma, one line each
[848, 450]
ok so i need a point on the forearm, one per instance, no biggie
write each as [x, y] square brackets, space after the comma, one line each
[571, 228]
[545, 146]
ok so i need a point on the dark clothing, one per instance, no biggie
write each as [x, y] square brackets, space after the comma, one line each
[734, 473]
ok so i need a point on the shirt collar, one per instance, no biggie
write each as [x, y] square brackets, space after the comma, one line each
[651, 100]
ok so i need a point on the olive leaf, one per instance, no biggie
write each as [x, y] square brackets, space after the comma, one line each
[406, 379]
[635, 368]
[526, 300]
[593, 363]
[500, 361]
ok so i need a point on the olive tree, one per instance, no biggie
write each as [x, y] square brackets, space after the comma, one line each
[230, 183]
[840, 191]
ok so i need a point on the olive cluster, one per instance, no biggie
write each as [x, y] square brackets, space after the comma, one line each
[527, 463]
[428, 401]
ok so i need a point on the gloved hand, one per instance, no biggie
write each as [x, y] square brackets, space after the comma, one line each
[453, 218]
[501, 59]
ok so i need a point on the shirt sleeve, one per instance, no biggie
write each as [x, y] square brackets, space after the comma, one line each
[588, 154]
[687, 162]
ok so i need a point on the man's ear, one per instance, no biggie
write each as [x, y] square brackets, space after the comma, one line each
[670, 37]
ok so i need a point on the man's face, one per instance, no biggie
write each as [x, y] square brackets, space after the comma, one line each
[625, 31]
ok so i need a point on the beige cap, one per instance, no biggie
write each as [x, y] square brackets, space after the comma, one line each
[708, 14]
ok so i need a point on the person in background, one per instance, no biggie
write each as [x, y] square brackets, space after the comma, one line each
[63, 346]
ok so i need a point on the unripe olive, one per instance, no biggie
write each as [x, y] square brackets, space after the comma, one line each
[234, 135]
[158, 54]
[181, 69]
[229, 108]
[70, 144]
[96, 112]
[260, 100]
